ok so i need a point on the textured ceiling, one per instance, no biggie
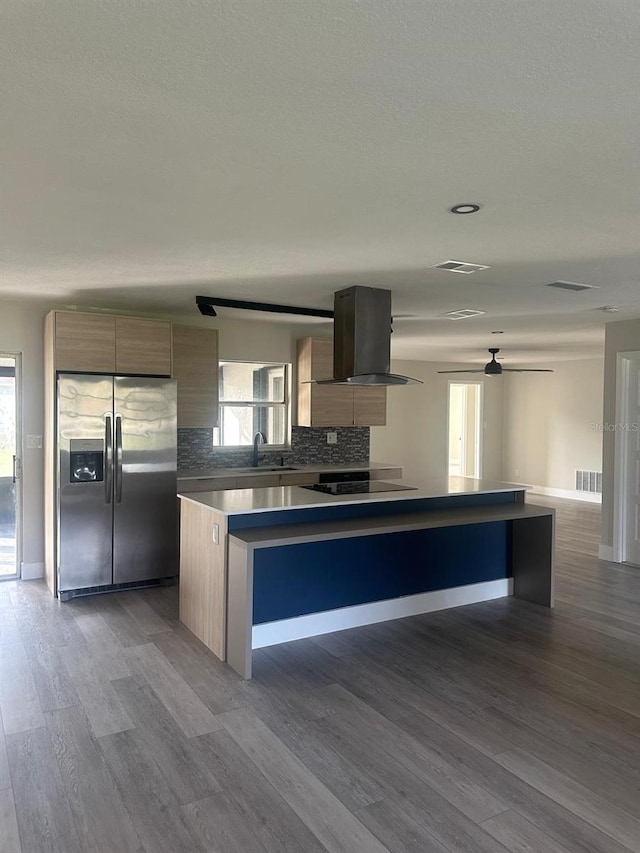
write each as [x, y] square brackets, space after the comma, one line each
[281, 150]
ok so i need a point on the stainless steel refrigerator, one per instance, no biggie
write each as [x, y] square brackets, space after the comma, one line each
[116, 482]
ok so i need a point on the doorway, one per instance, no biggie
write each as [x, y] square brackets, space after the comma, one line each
[9, 465]
[464, 429]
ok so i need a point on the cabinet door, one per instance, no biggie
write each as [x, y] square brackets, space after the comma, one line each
[260, 481]
[85, 342]
[369, 406]
[143, 346]
[331, 405]
[385, 474]
[211, 484]
[195, 366]
[321, 358]
[298, 479]
[321, 405]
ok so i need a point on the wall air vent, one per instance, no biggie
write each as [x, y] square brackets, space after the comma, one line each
[460, 266]
[589, 481]
[462, 314]
[571, 285]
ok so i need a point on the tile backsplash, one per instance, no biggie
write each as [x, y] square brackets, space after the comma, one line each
[308, 446]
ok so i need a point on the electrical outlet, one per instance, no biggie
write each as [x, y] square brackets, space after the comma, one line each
[332, 438]
[517, 472]
[34, 442]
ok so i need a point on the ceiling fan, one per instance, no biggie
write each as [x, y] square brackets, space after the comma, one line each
[492, 368]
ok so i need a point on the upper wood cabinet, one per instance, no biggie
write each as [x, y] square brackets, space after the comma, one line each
[85, 342]
[143, 346]
[101, 343]
[333, 405]
[195, 366]
[370, 405]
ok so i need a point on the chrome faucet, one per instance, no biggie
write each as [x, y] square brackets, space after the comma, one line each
[257, 438]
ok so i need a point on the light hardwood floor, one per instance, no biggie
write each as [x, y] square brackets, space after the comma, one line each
[496, 727]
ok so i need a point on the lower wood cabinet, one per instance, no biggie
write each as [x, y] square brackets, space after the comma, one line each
[210, 484]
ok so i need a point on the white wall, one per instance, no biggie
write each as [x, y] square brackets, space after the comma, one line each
[416, 432]
[549, 423]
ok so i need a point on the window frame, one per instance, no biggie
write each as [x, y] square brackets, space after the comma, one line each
[285, 406]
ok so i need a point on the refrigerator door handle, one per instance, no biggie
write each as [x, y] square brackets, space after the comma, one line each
[118, 461]
[108, 446]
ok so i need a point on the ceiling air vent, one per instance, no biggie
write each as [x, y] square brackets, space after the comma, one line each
[462, 313]
[460, 266]
[571, 285]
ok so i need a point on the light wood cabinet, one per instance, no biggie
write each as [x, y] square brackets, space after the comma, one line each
[386, 473]
[84, 342]
[143, 346]
[210, 484]
[102, 343]
[195, 366]
[298, 479]
[203, 574]
[370, 406]
[260, 481]
[333, 405]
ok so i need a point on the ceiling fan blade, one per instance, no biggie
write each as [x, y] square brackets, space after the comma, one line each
[461, 371]
[526, 370]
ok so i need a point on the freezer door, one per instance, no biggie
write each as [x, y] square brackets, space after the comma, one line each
[145, 538]
[85, 408]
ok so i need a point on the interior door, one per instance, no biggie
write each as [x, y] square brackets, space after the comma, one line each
[85, 408]
[9, 467]
[145, 506]
[465, 434]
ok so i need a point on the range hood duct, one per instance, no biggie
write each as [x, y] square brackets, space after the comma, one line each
[362, 339]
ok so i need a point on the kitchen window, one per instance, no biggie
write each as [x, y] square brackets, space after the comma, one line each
[254, 396]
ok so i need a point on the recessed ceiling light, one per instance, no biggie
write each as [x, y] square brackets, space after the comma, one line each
[465, 208]
[574, 286]
[460, 266]
[462, 314]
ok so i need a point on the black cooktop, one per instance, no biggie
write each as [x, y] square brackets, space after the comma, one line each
[364, 488]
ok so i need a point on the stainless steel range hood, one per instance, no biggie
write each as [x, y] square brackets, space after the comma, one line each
[362, 339]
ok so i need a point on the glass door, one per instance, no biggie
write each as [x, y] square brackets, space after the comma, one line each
[9, 466]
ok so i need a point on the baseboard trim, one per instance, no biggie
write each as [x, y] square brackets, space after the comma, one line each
[31, 571]
[605, 552]
[285, 630]
[571, 494]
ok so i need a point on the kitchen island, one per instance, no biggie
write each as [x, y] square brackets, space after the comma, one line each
[262, 566]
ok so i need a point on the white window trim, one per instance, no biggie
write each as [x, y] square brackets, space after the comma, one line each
[286, 405]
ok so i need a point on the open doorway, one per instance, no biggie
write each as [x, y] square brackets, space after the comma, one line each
[464, 431]
[9, 466]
